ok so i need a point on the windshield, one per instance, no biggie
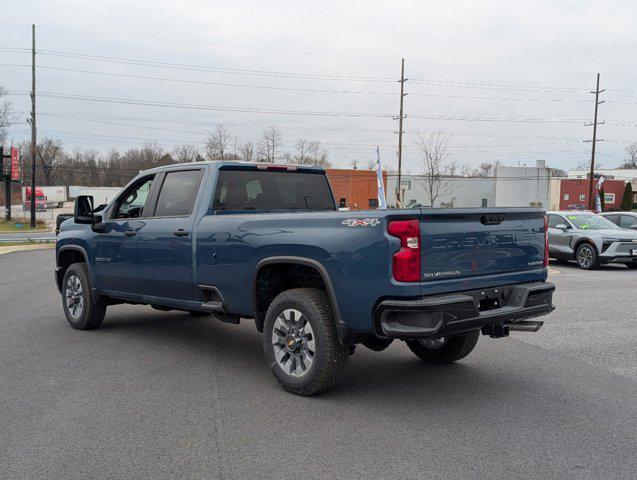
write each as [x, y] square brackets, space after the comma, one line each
[591, 222]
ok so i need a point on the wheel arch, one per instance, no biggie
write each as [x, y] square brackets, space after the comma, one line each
[579, 243]
[67, 255]
[287, 261]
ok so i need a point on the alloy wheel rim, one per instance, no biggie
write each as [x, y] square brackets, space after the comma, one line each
[74, 296]
[585, 257]
[293, 343]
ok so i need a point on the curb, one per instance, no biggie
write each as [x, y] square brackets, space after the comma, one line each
[20, 248]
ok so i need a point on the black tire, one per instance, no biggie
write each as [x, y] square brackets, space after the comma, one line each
[90, 313]
[586, 257]
[328, 361]
[632, 266]
[455, 348]
[197, 313]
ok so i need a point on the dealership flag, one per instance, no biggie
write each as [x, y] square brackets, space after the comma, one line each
[382, 202]
[15, 164]
[600, 182]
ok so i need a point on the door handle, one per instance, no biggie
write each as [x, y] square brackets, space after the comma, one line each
[130, 233]
[180, 233]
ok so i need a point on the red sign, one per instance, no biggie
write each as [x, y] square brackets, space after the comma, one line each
[16, 174]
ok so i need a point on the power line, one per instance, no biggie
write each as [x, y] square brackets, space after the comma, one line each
[296, 89]
[183, 66]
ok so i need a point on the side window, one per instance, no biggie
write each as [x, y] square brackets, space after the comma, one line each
[178, 193]
[131, 203]
[612, 218]
[555, 220]
[628, 221]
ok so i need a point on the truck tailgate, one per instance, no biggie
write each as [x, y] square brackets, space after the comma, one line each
[474, 242]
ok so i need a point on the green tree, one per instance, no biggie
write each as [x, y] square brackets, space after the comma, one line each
[627, 199]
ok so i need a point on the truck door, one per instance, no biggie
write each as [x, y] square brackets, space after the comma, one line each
[115, 247]
[165, 241]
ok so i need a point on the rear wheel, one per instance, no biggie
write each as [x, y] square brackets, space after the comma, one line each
[82, 312]
[301, 344]
[441, 350]
[586, 256]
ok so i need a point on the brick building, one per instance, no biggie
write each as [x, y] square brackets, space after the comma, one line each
[355, 189]
[575, 191]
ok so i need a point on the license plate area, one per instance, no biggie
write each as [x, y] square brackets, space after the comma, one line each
[490, 298]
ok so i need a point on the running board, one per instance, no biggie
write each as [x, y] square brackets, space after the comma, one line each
[212, 306]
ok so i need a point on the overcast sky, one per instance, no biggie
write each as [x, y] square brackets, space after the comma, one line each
[509, 80]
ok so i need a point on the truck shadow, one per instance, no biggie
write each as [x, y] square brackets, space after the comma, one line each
[394, 375]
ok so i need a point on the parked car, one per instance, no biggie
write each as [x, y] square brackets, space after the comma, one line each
[622, 219]
[577, 206]
[590, 239]
[266, 242]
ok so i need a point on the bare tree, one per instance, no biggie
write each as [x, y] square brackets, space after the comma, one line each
[316, 155]
[301, 151]
[186, 153]
[269, 144]
[631, 152]
[49, 154]
[218, 142]
[7, 117]
[354, 164]
[371, 165]
[485, 169]
[246, 152]
[435, 165]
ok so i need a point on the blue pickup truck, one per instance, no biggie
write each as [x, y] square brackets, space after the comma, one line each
[266, 242]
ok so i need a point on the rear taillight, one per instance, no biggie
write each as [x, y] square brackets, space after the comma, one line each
[546, 241]
[406, 261]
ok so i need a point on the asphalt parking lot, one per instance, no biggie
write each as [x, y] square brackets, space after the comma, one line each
[160, 394]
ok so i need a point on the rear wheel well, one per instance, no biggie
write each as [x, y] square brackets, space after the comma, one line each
[272, 279]
[65, 259]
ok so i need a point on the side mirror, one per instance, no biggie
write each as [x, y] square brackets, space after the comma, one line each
[83, 213]
[561, 226]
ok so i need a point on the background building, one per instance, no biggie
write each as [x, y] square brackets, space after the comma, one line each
[628, 175]
[522, 186]
[456, 192]
[575, 191]
[356, 189]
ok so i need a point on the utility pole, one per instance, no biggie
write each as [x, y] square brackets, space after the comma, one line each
[400, 131]
[33, 130]
[591, 198]
[7, 184]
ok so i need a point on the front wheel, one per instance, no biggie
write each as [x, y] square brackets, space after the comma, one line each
[301, 344]
[586, 257]
[81, 311]
[441, 350]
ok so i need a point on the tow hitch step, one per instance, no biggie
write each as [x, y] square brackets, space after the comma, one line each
[501, 330]
[525, 326]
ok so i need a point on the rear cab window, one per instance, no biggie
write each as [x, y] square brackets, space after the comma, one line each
[269, 190]
[178, 193]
